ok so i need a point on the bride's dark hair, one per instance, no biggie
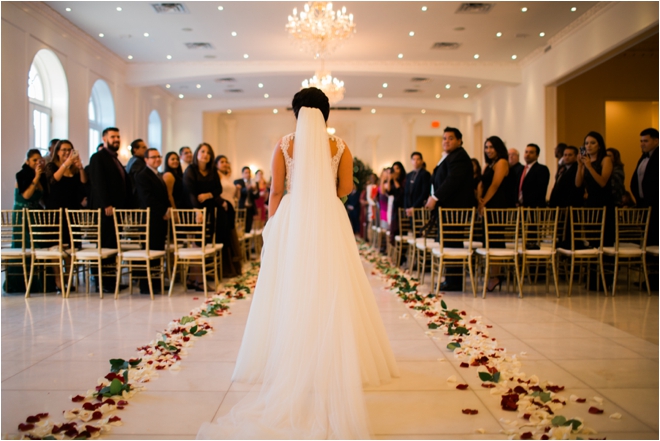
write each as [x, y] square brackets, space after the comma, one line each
[311, 97]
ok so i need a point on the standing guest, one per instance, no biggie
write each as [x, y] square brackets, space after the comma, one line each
[383, 198]
[353, 209]
[395, 187]
[452, 188]
[51, 146]
[260, 202]
[476, 176]
[565, 193]
[496, 190]
[418, 184]
[533, 184]
[136, 164]
[595, 173]
[186, 157]
[173, 177]
[202, 184]
[644, 182]
[249, 192]
[231, 251]
[559, 156]
[515, 167]
[152, 193]
[371, 194]
[618, 176]
[110, 189]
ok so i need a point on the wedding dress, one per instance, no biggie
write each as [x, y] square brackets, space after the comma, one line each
[314, 335]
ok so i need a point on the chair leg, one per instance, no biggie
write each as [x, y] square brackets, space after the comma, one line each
[62, 280]
[616, 274]
[515, 264]
[432, 269]
[169, 293]
[151, 288]
[68, 285]
[29, 284]
[522, 272]
[646, 274]
[554, 274]
[570, 277]
[472, 281]
[486, 274]
[25, 273]
[206, 292]
[602, 274]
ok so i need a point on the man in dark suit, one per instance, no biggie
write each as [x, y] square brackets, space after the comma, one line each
[533, 184]
[418, 184]
[136, 164]
[452, 188]
[110, 189]
[152, 192]
[249, 192]
[565, 193]
[644, 182]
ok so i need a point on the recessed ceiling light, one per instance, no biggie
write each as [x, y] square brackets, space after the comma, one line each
[245, 55]
[130, 57]
[499, 34]
[261, 85]
[424, 8]
[476, 56]
[220, 8]
[101, 35]
[169, 57]
[274, 110]
[447, 86]
[181, 95]
[229, 111]
[68, 9]
[380, 95]
[167, 86]
[400, 55]
[385, 85]
[411, 33]
[146, 34]
[573, 9]
[465, 95]
[266, 95]
[233, 34]
[437, 95]
[199, 86]
[542, 34]
[119, 8]
[373, 110]
[209, 96]
[479, 86]
[513, 57]
[524, 9]
[423, 110]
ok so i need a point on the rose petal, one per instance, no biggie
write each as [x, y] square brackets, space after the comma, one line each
[78, 399]
[616, 416]
[25, 427]
[526, 435]
[461, 386]
[451, 379]
[465, 365]
[595, 410]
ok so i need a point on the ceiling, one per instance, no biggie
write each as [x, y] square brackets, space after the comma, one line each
[366, 61]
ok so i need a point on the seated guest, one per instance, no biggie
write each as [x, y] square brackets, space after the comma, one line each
[227, 235]
[418, 184]
[248, 194]
[618, 175]
[534, 180]
[565, 193]
[152, 192]
[186, 157]
[173, 177]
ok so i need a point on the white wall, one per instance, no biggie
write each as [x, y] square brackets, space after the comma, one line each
[28, 27]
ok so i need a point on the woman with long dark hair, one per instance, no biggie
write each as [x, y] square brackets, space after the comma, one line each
[476, 176]
[173, 177]
[232, 258]
[395, 187]
[618, 176]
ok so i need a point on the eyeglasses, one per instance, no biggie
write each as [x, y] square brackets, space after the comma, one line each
[66, 150]
[154, 157]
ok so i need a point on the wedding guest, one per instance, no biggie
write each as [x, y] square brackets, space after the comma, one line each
[51, 145]
[371, 194]
[173, 177]
[186, 157]
[534, 179]
[261, 201]
[110, 189]
[248, 193]
[395, 187]
[559, 156]
[618, 175]
[644, 182]
[353, 209]
[136, 164]
[565, 193]
[476, 176]
[514, 164]
[418, 184]
[383, 199]
[231, 252]
[152, 192]
[452, 188]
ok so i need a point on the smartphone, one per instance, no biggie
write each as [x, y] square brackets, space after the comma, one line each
[583, 151]
[74, 153]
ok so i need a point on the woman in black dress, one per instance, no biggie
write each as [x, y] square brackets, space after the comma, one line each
[173, 177]
[495, 191]
[395, 187]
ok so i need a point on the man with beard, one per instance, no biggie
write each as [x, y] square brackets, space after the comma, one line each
[110, 189]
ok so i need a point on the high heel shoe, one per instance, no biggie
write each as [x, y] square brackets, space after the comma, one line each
[499, 283]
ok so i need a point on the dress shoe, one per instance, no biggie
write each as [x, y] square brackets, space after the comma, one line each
[444, 286]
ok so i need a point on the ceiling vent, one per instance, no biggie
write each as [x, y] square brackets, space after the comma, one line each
[420, 80]
[170, 8]
[199, 46]
[225, 80]
[411, 90]
[474, 8]
[445, 46]
[233, 90]
[522, 35]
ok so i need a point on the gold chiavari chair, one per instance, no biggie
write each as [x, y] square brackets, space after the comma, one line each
[426, 243]
[401, 240]
[456, 227]
[539, 242]
[587, 231]
[417, 221]
[12, 242]
[45, 228]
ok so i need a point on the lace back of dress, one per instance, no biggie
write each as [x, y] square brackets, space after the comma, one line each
[286, 142]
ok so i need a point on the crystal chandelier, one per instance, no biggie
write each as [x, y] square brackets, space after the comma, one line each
[332, 87]
[318, 29]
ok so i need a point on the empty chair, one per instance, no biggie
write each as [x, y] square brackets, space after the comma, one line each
[539, 239]
[45, 228]
[400, 240]
[12, 240]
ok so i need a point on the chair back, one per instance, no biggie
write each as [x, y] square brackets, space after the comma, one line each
[502, 227]
[588, 228]
[45, 230]
[632, 226]
[562, 224]
[84, 229]
[456, 226]
[418, 220]
[405, 223]
[189, 226]
[241, 215]
[12, 229]
[132, 229]
[539, 227]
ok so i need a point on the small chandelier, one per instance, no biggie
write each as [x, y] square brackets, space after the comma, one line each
[318, 29]
[333, 88]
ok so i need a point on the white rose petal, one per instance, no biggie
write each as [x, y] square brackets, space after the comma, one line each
[598, 400]
[574, 398]
[616, 416]
[451, 379]
[480, 431]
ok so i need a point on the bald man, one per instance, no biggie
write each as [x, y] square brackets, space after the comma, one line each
[515, 168]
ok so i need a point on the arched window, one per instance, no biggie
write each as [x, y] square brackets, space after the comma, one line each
[100, 112]
[155, 130]
[48, 96]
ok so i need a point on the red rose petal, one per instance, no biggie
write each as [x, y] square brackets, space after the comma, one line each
[25, 427]
[71, 433]
[122, 403]
[487, 385]
[526, 435]
[113, 419]
[520, 390]
[120, 407]
[555, 389]
[97, 415]
[465, 365]
[509, 402]
[109, 401]
[581, 400]
[32, 419]
[92, 429]
[42, 415]
[527, 416]
[462, 386]
[160, 368]
[544, 436]
[595, 410]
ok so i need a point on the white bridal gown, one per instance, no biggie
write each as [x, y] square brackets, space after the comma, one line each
[314, 335]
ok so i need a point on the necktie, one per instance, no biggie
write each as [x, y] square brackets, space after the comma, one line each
[522, 178]
[645, 155]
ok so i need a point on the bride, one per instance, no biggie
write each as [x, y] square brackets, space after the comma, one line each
[314, 335]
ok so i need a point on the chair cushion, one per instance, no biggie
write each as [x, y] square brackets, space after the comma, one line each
[653, 249]
[219, 246]
[542, 252]
[496, 252]
[48, 254]
[625, 251]
[14, 252]
[475, 244]
[93, 253]
[582, 253]
[429, 245]
[141, 254]
[196, 252]
[452, 253]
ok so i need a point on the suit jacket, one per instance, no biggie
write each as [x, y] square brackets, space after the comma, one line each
[248, 196]
[514, 172]
[565, 193]
[453, 181]
[649, 184]
[108, 185]
[535, 186]
[152, 192]
[417, 193]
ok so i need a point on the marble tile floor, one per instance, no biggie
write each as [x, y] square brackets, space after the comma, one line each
[591, 344]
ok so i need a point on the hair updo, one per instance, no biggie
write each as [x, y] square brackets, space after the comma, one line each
[311, 97]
